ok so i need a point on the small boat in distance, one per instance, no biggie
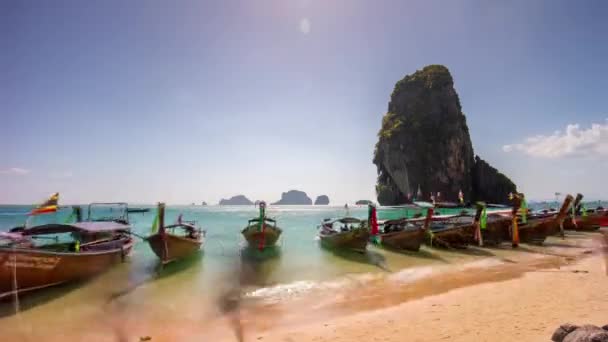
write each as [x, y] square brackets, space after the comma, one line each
[176, 241]
[262, 232]
[345, 233]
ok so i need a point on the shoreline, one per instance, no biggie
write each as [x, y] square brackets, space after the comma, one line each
[531, 292]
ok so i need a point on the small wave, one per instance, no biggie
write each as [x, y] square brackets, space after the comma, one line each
[484, 263]
[409, 275]
[280, 292]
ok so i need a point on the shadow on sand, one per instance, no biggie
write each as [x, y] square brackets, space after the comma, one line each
[10, 305]
[421, 253]
[257, 266]
[157, 271]
[368, 257]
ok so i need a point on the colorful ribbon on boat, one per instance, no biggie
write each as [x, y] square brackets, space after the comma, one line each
[373, 222]
[515, 232]
[584, 210]
[154, 229]
[483, 222]
[261, 226]
[524, 211]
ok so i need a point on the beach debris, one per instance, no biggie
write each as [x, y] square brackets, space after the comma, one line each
[145, 338]
[586, 333]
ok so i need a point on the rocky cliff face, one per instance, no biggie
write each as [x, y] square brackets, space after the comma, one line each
[236, 200]
[424, 143]
[490, 185]
[322, 200]
[294, 197]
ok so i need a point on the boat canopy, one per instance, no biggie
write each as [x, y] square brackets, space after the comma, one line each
[12, 237]
[344, 220]
[402, 206]
[404, 220]
[265, 219]
[185, 226]
[448, 205]
[82, 227]
[424, 204]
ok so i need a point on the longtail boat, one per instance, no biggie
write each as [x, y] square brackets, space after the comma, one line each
[175, 241]
[344, 233]
[536, 228]
[32, 259]
[41, 256]
[453, 231]
[494, 227]
[581, 219]
[262, 232]
[405, 234]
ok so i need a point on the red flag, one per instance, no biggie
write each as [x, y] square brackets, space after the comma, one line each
[373, 220]
[49, 206]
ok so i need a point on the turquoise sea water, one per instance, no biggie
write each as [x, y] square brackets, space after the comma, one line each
[190, 288]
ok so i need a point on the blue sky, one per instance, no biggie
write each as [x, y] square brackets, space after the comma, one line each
[188, 101]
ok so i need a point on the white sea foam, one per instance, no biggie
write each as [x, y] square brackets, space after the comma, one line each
[483, 263]
[280, 292]
[410, 275]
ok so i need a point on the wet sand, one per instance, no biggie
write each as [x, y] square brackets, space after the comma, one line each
[527, 307]
[505, 296]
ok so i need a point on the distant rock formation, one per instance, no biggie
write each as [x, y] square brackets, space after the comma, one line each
[488, 184]
[364, 202]
[322, 200]
[424, 144]
[293, 197]
[204, 203]
[236, 200]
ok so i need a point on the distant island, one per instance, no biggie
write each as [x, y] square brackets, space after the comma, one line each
[364, 202]
[204, 203]
[322, 200]
[236, 200]
[294, 197]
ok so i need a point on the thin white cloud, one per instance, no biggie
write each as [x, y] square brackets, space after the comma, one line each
[15, 171]
[304, 25]
[63, 175]
[574, 142]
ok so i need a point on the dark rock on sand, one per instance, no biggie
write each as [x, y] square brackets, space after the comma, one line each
[585, 333]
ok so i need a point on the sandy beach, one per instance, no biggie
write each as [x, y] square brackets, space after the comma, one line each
[529, 308]
[524, 300]
[522, 297]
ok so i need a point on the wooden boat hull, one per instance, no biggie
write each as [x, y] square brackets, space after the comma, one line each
[170, 247]
[496, 232]
[535, 231]
[454, 237]
[257, 238]
[27, 269]
[355, 240]
[586, 224]
[408, 239]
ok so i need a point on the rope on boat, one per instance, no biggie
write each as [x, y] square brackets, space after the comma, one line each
[144, 238]
[15, 285]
